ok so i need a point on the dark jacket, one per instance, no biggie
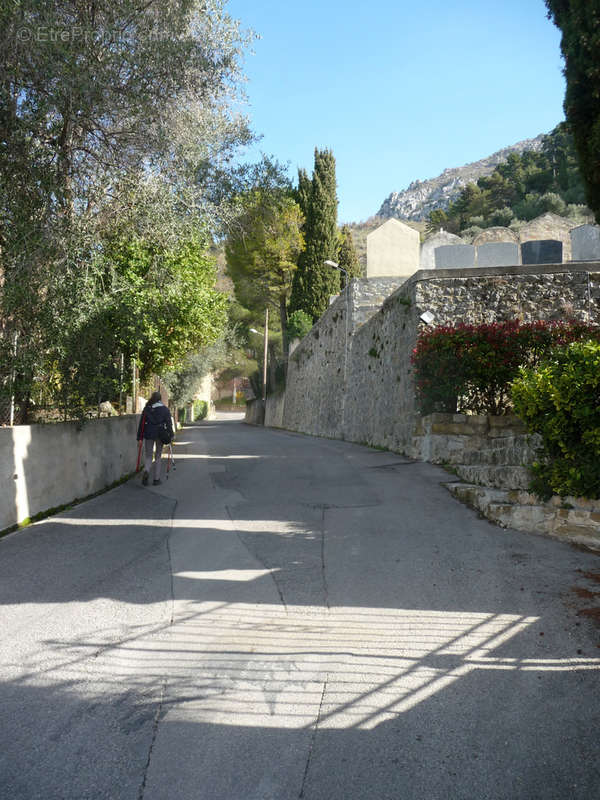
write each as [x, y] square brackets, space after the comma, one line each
[152, 418]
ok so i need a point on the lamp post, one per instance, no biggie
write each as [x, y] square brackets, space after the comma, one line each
[334, 265]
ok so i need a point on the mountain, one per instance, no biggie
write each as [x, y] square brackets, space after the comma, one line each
[422, 197]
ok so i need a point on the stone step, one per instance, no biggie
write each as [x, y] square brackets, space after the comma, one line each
[499, 456]
[512, 451]
[495, 476]
[570, 519]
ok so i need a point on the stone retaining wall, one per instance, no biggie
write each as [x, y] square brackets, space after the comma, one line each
[454, 438]
[351, 376]
[493, 455]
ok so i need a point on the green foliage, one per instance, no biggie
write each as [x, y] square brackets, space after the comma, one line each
[347, 256]
[559, 399]
[114, 152]
[299, 324]
[521, 188]
[470, 368]
[200, 409]
[580, 44]
[162, 304]
[263, 246]
[184, 382]
[314, 282]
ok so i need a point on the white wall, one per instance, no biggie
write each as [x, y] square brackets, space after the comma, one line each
[44, 466]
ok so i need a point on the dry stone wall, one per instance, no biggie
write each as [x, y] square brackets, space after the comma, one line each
[379, 403]
[527, 294]
[315, 377]
[351, 376]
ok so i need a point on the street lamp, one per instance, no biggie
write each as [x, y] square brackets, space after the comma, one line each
[341, 269]
[334, 265]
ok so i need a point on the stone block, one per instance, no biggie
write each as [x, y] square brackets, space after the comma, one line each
[498, 254]
[549, 226]
[497, 477]
[542, 251]
[392, 249]
[454, 256]
[495, 234]
[454, 429]
[440, 239]
[506, 425]
[585, 243]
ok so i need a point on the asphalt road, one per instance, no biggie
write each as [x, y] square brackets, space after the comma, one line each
[290, 617]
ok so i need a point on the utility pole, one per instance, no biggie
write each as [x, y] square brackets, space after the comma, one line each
[13, 377]
[264, 397]
[133, 384]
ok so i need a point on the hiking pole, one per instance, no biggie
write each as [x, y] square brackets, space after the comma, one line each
[170, 460]
[137, 466]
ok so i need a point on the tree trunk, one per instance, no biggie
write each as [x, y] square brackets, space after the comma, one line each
[283, 315]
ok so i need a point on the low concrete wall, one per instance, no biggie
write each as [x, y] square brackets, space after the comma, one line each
[44, 466]
[274, 410]
[255, 412]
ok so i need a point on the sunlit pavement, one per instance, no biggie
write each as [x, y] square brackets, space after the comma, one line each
[289, 617]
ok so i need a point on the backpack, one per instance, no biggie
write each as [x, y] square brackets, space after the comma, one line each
[164, 433]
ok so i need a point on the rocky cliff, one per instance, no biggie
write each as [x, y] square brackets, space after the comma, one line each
[422, 197]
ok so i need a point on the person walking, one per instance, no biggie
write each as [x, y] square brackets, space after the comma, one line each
[155, 421]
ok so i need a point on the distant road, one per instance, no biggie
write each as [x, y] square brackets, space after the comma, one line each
[290, 617]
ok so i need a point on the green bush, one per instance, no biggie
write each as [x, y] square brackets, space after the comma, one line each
[560, 399]
[470, 368]
[298, 325]
[200, 409]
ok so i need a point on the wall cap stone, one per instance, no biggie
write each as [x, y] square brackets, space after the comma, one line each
[527, 269]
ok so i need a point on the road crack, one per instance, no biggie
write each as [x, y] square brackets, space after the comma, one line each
[313, 739]
[163, 692]
[260, 560]
[157, 717]
[323, 568]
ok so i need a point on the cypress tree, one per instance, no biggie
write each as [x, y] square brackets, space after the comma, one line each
[347, 255]
[314, 282]
[580, 45]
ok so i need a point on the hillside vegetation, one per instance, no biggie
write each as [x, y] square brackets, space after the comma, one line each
[520, 189]
[423, 197]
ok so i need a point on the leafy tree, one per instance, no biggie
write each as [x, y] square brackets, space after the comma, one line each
[262, 249]
[580, 45]
[162, 304]
[314, 282]
[439, 220]
[100, 97]
[347, 255]
[223, 355]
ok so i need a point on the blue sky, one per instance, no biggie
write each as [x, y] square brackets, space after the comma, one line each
[399, 91]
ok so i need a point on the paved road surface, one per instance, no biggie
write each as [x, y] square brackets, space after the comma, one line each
[290, 617]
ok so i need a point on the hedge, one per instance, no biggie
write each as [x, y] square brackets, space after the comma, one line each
[560, 399]
[470, 368]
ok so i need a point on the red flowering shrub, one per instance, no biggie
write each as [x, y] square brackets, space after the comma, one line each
[469, 368]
